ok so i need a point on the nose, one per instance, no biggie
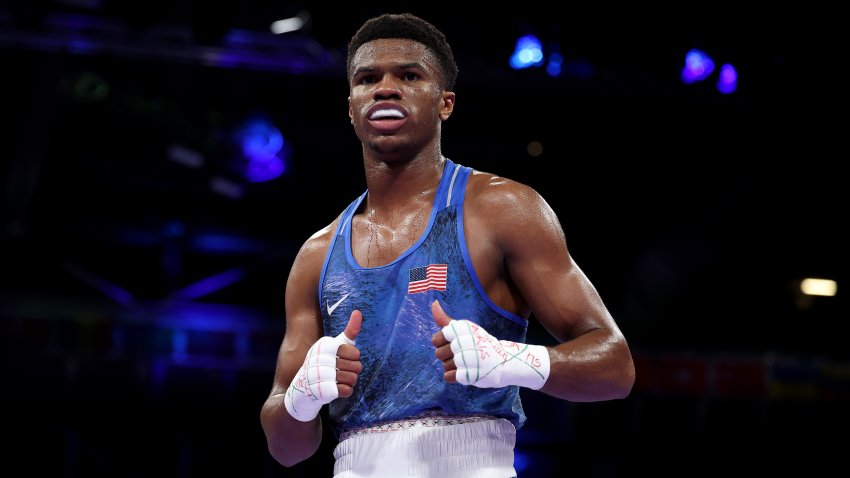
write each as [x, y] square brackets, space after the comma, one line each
[387, 90]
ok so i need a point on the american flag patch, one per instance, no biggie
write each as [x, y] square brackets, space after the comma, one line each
[431, 277]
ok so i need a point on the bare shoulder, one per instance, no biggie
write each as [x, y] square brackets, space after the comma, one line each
[492, 195]
[312, 252]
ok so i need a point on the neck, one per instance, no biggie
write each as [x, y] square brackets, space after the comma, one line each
[393, 184]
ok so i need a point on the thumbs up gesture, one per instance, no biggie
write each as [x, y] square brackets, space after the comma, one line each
[444, 351]
[329, 371]
[471, 356]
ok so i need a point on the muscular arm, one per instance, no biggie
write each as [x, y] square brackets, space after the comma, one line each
[289, 440]
[593, 361]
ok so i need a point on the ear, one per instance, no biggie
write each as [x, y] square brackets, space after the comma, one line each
[350, 113]
[448, 105]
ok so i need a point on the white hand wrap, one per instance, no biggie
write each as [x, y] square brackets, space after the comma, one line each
[315, 383]
[486, 362]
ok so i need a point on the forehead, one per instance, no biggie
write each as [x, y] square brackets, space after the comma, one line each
[393, 50]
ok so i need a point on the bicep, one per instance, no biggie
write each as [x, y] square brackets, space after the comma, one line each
[560, 295]
[303, 318]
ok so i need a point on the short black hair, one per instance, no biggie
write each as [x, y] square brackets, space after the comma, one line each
[410, 27]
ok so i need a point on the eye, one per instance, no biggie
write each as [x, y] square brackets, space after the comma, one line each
[410, 76]
[366, 80]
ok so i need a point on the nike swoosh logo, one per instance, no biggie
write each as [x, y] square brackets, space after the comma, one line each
[332, 308]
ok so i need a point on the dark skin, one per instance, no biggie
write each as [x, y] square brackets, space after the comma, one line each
[403, 164]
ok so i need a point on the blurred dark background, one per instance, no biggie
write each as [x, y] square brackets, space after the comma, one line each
[162, 162]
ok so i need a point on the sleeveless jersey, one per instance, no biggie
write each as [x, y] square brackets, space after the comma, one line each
[401, 377]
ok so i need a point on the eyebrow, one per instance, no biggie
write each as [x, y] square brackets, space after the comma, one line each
[407, 66]
[403, 66]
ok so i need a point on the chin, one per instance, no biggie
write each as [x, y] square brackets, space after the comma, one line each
[387, 147]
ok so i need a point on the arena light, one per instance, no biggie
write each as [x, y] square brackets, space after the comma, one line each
[292, 24]
[822, 287]
[528, 53]
[554, 66]
[727, 81]
[265, 150]
[697, 67]
[185, 156]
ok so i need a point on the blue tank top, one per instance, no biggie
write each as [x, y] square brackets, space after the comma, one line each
[401, 377]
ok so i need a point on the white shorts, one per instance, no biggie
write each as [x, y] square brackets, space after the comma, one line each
[436, 446]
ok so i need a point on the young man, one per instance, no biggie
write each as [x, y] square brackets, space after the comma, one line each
[408, 313]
